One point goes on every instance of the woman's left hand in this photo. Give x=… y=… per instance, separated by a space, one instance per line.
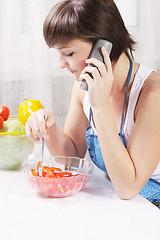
x=101 y=84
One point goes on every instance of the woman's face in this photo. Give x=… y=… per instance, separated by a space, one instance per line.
x=73 y=56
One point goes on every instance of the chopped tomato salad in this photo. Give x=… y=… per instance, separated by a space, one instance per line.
x=56 y=183
x=51 y=172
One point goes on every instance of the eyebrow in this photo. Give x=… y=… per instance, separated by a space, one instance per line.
x=63 y=47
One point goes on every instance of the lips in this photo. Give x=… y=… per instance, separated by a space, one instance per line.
x=71 y=71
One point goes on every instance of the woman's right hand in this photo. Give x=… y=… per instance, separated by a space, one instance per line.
x=38 y=124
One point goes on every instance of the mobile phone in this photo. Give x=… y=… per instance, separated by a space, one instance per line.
x=96 y=53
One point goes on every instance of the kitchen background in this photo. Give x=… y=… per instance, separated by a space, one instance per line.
x=29 y=69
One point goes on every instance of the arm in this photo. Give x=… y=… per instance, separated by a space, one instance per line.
x=129 y=169
x=71 y=141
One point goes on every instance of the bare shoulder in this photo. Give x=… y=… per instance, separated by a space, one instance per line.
x=76 y=121
x=153 y=79
x=149 y=98
x=75 y=112
x=77 y=93
x=151 y=86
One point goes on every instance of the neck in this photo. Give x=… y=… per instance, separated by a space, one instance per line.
x=120 y=73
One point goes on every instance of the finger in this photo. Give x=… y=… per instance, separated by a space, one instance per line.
x=34 y=125
x=98 y=64
x=42 y=125
x=88 y=79
x=107 y=60
x=29 y=133
x=92 y=70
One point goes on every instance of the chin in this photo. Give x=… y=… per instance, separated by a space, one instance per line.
x=76 y=76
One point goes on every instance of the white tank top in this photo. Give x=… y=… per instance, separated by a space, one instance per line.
x=140 y=77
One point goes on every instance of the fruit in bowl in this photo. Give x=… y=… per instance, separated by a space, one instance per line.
x=26 y=108
x=4 y=112
x=61 y=176
x=15 y=147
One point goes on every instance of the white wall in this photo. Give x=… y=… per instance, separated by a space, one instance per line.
x=147 y=34
x=15 y=50
x=129 y=11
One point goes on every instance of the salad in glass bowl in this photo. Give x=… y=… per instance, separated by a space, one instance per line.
x=61 y=176
x=15 y=147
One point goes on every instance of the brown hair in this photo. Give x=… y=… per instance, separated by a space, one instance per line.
x=88 y=20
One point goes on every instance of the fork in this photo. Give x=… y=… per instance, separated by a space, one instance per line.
x=40 y=166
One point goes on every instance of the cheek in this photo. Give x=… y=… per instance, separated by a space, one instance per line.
x=80 y=65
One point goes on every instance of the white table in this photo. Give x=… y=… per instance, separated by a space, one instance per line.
x=93 y=213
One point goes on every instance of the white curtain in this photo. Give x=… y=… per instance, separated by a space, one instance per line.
x=24 y=55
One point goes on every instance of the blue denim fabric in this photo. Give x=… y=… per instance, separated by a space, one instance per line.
x=151 y=191
x=95 y=150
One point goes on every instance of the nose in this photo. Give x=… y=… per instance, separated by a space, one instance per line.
x=62 y=62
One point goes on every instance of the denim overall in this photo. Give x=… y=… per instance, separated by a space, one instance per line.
x=151 y=191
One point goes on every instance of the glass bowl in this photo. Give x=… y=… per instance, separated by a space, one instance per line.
x=15 y=147
x=76 y=173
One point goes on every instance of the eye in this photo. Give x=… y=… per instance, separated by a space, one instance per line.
x=69 y=55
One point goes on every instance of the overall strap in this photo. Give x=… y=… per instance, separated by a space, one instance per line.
x=90 y=115
x=128 y=81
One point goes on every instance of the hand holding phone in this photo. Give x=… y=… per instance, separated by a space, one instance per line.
x=96 y=53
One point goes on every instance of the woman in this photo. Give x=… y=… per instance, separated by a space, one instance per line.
x=123 y=97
